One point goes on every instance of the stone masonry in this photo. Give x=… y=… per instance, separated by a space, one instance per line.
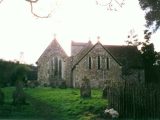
x=99 y=63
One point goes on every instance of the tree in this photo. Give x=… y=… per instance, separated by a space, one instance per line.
x=132 y=38
x=152 y=9
x=32 y=11
x=19 y=97
x=110 y=4
x=20 y=73
x=149 y=55
x=10 y=71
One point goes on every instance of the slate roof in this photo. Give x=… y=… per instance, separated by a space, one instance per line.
x=82 y=53
x=124 y=55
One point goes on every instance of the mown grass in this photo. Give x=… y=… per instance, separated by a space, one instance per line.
x=8 y=110
x=54 y=104
x=68 y=105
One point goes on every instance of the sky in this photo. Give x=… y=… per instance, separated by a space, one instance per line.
x=24 y=37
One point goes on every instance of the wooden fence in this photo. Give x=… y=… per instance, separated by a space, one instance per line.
x=133 y=100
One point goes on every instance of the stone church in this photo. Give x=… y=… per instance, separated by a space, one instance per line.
x=99 y=63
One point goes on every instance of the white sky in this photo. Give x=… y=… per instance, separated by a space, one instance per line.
x=76 y=20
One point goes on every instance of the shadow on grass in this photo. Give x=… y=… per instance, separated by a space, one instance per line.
x=34 y=110
x=43 y=110
x=9 y=111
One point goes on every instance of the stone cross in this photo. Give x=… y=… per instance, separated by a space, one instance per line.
x=85 y=89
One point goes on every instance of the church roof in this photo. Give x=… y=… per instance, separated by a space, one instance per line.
x=77 y=47
x=51 y=47
x=124 y=55
x=78 y=43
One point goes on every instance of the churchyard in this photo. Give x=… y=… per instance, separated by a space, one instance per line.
x=54 y=104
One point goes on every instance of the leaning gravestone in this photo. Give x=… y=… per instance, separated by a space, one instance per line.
x=85 y=89
x=19 y=97
x=105 y=90
x=63 y=85
x=1 y=97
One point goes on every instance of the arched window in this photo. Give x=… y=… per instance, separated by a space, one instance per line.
x=99 y=62
x=90 y=62
x=56 y=66
x=108 y=63
x=60 y=68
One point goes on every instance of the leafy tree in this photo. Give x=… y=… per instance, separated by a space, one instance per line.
x=152 y=9
x=11 y=71
x=20 y=73
x=149 y=56
x=6 y=71
x=132 y=38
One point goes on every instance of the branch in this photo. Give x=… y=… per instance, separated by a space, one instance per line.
x=120 y=4
x=32 y=11
x=1 y=1
x=110 y=4
x=34 y=1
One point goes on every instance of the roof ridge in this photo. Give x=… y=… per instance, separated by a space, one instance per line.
x=49 y=47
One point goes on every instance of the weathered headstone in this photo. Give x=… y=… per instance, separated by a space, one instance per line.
x=1 y=97
x=63 y=84
x=105 y=91
x=85 y=89
x=19 y=97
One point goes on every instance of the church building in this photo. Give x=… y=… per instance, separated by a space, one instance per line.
x=99 y=63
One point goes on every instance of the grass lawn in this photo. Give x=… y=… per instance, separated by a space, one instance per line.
x=56 y=104
x=10 y=111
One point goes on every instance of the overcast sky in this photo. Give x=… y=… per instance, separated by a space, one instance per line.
x=77 y=20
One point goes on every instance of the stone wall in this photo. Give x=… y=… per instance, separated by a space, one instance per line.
x=97 y=76
x=43 y=76
x=46 y=65
x=94 y=62
x=67 y=71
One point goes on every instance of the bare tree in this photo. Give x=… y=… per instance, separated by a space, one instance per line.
x=1 y=1
x=32 y=11
x=110 y=4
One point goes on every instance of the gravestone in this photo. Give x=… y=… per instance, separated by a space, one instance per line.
x=105 y=90
x=85 y=89
x=1 y=97
x=63 y=84
x=19 y=97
